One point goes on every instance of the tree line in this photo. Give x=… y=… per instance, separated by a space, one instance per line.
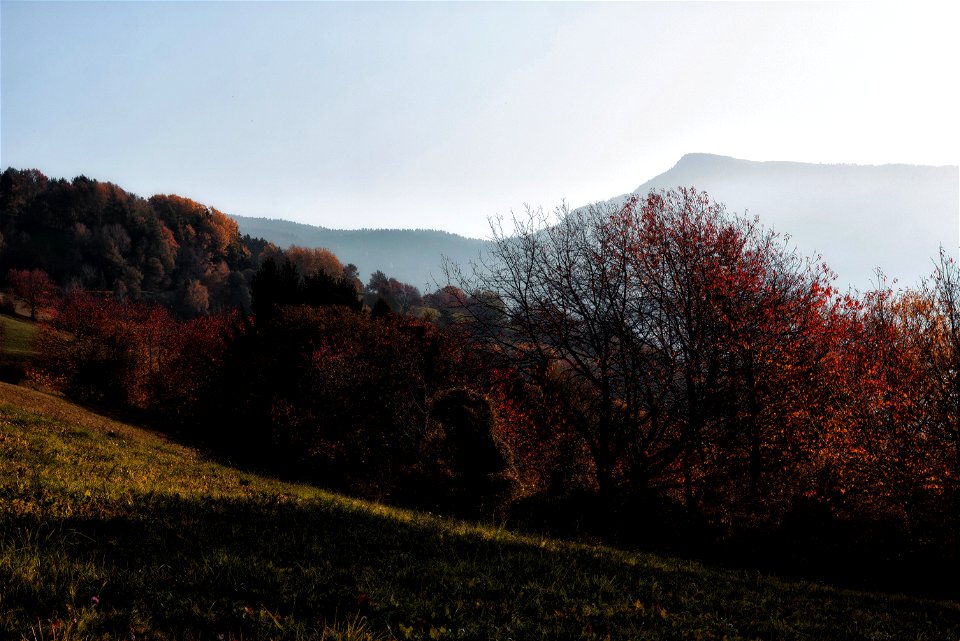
x=93 y=236
x=685 y=355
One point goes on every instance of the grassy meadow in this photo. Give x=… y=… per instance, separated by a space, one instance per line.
x=16 y=346
x=108 y=531
x=17 y=336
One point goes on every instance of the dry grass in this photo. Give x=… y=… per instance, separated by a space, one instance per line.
x=58 y=408
x=16 y=337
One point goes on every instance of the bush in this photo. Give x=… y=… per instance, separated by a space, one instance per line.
x=471 y=460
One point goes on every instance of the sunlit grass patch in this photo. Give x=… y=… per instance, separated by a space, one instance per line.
x=108 y=531
x=17 y=337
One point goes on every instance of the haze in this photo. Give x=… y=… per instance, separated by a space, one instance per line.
x=440 y=115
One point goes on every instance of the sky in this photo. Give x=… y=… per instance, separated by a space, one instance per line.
x=442 y=115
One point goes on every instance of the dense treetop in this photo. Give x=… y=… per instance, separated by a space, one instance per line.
x=95 y=236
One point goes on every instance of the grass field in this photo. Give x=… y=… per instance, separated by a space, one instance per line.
x=17 y=336
x=108 y=531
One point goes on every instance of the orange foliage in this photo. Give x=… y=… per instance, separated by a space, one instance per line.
x=309 y=261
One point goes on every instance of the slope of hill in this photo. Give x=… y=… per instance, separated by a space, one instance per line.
x=111 y=531
x=411 y=256
x=859 y=218
x=16 y=347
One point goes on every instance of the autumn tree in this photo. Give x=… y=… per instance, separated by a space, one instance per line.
x=132 y=354
x=196 y=299
x=94 y=235
x=34 y=287
x=938 y=360
x=733 y=320
x=400 y=296
x=941 y=350
x=280 y=283
x=309 y=260
x=653 y=326
x=447 y=304
x=336 y=395
x=103 y=349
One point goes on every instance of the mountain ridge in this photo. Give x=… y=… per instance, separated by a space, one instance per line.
x=858 y=218
x=412 y=256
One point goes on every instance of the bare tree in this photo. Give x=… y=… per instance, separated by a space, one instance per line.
x=942 y=353
x=642 y=319
x=561 y=308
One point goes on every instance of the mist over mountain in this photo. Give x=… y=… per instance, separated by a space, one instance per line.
x=857 y=217
x=413 y=256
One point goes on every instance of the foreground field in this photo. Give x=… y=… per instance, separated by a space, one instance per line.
x=110 y=531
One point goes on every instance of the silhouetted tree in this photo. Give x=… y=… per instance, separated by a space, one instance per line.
x=278 y=285
x=468 y=446
x=381 y=309
x=635 y=319
x=238 y=289
x=272 y=286
x=401 y=297
x=319 y=289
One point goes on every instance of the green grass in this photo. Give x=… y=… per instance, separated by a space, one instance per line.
x=109 y=531
x=17 y=338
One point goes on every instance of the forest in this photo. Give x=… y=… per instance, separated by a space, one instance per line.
x=664 y=374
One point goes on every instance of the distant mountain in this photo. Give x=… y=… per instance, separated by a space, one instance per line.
x=857 y=217
x=411 y=256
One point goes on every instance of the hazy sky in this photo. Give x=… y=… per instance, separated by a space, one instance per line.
x=439 y=115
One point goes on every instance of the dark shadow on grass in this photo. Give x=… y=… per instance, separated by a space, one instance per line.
x=200 y=568
x=810 y=545
x=265 y=568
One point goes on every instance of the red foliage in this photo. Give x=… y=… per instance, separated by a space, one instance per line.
x=34 y=287
x=133 y=353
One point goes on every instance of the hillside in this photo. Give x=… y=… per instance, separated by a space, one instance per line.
x=411 y=256
x=858 y=217
x=111 y=531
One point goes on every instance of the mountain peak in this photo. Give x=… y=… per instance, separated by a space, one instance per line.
x=701 y=157
x=860 y=218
